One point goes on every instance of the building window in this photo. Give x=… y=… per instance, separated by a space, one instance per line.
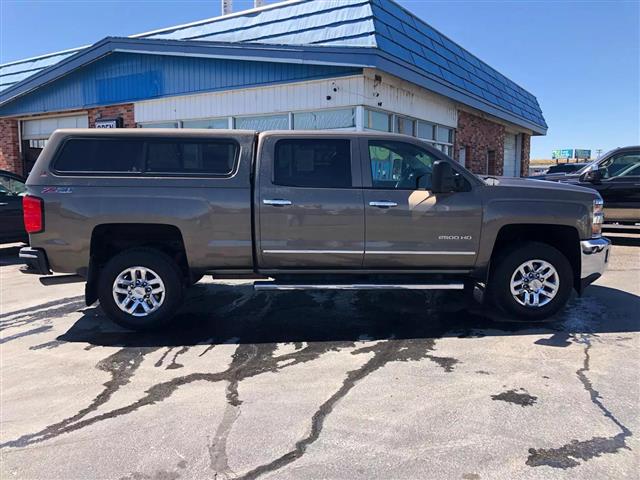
x=426 y=130
x=211 y=123
x=376 y=120
x=262 y=123
x=319 y=163
x=160 y=125
x=325 y=119
x=405 y=125
x=37 y=143
x=444 y=134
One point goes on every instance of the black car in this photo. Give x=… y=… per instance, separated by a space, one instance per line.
x=566 y=168
x=12 y=189
x=616 y=176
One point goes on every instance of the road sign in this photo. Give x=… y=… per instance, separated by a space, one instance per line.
x=564 y=153
x=582 y=154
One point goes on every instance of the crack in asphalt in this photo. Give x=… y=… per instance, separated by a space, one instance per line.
x=383 y=353
x=567 y=455
x=219 y=462
x=122 y=366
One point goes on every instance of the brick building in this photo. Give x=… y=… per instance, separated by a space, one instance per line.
x=347 y=64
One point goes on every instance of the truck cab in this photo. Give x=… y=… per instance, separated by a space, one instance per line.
x=143 y=214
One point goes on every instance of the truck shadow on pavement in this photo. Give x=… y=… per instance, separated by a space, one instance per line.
x=215 y=314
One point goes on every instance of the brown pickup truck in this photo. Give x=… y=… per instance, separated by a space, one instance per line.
x=143 y=214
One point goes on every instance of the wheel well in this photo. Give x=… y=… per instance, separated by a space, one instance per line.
x=564 y=238
x=110 y=239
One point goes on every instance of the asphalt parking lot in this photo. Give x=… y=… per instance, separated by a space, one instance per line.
x=320 y=385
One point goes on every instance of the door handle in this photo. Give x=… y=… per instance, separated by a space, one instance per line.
x=383 y=204
x=276 y=202
x=2 y=204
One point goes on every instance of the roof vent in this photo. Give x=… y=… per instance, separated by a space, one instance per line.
x=227 y=5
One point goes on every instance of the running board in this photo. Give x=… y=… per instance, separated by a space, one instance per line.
x=614 y=226
x=357 y=286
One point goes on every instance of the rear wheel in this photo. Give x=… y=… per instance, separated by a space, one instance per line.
x=140 y=289
x=532 y=282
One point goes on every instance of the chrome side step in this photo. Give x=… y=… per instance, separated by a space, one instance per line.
x=615 y=226
x=357 y=286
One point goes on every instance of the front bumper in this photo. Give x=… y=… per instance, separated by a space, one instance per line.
x=594 y=255
x=35 y=261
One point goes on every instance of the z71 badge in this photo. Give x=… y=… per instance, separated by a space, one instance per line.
x=57 y=190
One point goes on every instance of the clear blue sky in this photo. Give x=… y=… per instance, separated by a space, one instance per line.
x=581 y=59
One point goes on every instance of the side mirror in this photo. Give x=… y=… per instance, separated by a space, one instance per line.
x=592 y=176
x=442 y=177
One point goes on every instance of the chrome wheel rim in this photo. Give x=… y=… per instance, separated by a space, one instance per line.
x=535 y=283
x=138 y=291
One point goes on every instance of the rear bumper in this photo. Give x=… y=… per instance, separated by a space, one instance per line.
x=35 y=261
x=594 y=259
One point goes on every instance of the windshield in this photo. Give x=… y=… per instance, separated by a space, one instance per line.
x=588 y=168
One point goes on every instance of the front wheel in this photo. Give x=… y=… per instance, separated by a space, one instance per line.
x=532 y=282
x=140 y=289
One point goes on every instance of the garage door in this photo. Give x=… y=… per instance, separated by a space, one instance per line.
x=42 y=128
x=35 y=133
x=510 y=163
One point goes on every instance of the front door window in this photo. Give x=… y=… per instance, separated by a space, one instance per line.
x=399 y=165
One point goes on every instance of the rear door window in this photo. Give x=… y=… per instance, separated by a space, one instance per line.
x=320 y=163
x=215 y=157
x=100 y=155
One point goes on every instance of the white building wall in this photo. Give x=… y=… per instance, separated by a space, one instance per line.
x=309 y=95
x=405 y=98
x=393 y=95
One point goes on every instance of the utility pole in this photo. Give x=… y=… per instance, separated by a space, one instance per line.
x=258 y=3
x=226 y=7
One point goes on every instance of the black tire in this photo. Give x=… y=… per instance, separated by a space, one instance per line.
x=165 y=268
x=500 y=281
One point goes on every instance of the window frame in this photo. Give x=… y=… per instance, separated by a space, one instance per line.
x=11 y=179
x=235 y=119
x=367 y=174
x=354 y=115
x=366 y=125
x=190 y=140
x=142 y=162
x=367 y=154
x=353 y=160
x=208 y=119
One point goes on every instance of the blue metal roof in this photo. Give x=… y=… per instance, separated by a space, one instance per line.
x=122 y=77
x=400 y=44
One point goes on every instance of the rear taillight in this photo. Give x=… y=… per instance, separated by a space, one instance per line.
x=33 y=212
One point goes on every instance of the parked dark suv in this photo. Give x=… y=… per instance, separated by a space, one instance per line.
x=12 y=189
x=616 y=176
